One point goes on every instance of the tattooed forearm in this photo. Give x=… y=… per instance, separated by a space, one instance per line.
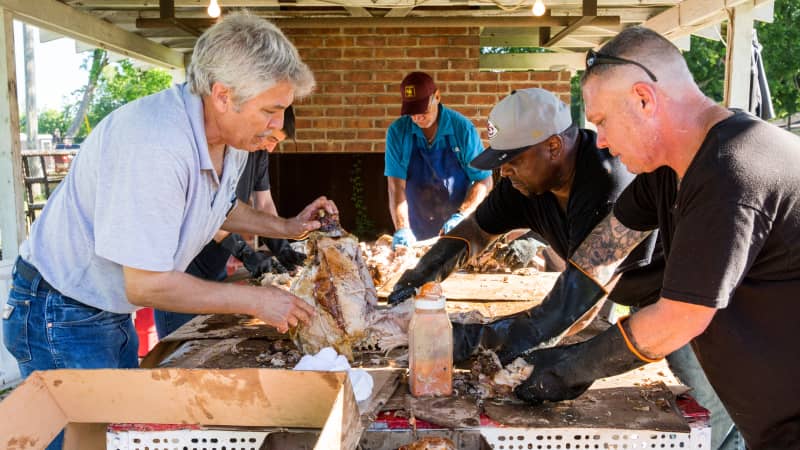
x=605 y=247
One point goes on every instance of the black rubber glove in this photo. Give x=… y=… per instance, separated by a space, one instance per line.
x=285 y=253
x=571 y=297
x=519 y=253
x=435 y=265
x=563 y=373
x=257 y=263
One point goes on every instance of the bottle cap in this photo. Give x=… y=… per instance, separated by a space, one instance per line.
x=429 y=302
x=429 y=296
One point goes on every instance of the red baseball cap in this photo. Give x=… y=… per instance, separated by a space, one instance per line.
x=416 y=90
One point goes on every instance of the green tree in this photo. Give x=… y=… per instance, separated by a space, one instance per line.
x=781 y=53
x=122 y=83
x=99 y=60
x=116 y=85
x=51 y=120
x=706 y=61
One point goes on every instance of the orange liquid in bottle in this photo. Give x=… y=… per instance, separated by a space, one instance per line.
x=430 y=346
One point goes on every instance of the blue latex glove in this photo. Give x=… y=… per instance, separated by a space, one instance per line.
x=451 y=223
x=403 y=236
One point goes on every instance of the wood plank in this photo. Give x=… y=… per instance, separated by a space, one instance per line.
x=738 y=58
x=490 y=287
x=485 y=21
x=631 y=408
x=692 y=15
x=56 y=16
x=12 y=188
x=385 y=384
x=533 y=61
x=449 y=412
x=566 y=31
x=385 y=381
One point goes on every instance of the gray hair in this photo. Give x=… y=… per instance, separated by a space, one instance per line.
x=249 y=55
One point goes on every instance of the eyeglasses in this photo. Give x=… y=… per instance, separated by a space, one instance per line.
x=594 y=58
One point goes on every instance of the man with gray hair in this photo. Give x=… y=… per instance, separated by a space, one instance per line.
x=151 y=185
x=722 y=188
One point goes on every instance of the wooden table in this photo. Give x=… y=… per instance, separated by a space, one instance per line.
x=640 y=400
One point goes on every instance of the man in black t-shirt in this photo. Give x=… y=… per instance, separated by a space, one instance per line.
x=560 y=185
x=210 y=263
x=723 y=189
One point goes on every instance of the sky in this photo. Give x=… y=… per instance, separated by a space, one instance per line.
x=58 y=71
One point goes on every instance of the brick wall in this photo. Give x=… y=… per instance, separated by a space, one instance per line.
x=358 y=72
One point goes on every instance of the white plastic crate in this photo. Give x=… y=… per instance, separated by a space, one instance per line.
x=595 y=438
x=498 y=438
x=185 y=439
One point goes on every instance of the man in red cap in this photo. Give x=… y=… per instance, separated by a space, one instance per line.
x=432 y=187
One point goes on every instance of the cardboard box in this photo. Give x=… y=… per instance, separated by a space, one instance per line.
x=85 y=401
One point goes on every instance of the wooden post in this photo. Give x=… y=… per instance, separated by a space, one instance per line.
x=738 y=56
x=12 y=217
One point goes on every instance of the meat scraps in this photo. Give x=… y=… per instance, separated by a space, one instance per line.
x=336 y=281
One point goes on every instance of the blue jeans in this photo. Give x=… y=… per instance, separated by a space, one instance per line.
x=47 y=330
x=168 y=321
x=685 y=366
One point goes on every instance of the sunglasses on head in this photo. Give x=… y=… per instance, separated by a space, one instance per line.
x=594 y=58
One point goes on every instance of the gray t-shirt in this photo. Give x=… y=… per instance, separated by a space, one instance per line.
x=142 y=193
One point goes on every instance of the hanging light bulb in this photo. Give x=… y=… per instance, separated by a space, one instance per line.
x=538 y=8
x=214 y=11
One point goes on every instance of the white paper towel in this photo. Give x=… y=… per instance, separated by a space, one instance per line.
x=327 y=360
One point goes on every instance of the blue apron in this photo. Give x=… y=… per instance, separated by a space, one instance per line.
x=436 y=185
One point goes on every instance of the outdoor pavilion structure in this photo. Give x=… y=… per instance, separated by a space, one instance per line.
x=163 y=32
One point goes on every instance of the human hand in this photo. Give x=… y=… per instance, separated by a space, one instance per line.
x=286 y=255
x=451 y=223
x=290 y=258
x=259 y=263
x=555 y=377
x=299 y=226
x=563 y=373
x=403 y=236
x=406 y=286
x=283 y=310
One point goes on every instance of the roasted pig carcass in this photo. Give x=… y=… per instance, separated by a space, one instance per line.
x=336 y=281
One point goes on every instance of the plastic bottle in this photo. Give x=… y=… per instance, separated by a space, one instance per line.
x=430 y=345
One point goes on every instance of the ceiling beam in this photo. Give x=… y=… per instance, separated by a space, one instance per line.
x=357 y=11
x=544 y=35
x=533 y=61
x=566 y=31
x=386 y=4
x=66 y=20
x=191 y=26
x=629 y=15
x=166 y=8
x=545 y=21
x=573 y=41
x=589 y=14
x=692 y=15
x=398 y=12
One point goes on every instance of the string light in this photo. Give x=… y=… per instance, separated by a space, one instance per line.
x=538 y=8
x=214 y=10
